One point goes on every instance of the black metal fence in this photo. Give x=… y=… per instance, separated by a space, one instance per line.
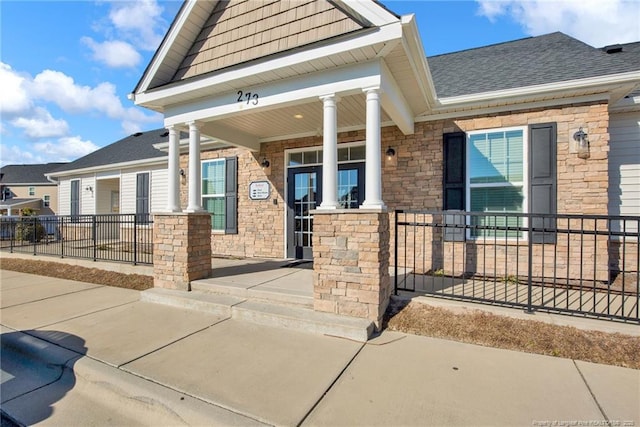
x=113 y=237
x=579 y=264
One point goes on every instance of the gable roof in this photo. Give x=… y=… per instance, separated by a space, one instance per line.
x=27 y=174
x=550 y=58
x=136 y=147
x=243 y=33
x=242 y=30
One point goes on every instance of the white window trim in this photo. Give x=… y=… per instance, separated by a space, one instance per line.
x=31 y=191
x=524 y=182
x=222 y=195
x=288 y=152
x=46 y=200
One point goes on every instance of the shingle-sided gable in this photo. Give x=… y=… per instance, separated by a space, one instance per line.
x=532 y=61
x=242 y=30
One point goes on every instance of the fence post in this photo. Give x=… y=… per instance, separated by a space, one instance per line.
x=35 y=235
x=95 y=237
x=62 y=237
x=395 y=254
x=12 y=233
x=135 y=239
x=530 y=266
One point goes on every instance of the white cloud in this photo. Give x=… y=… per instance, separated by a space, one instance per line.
x=114 y=54
x=139 y=21
x=14 y=98
x=41 y=125
x=66 y=149
x=57 y=87
x=595 y=22
x=13 y=155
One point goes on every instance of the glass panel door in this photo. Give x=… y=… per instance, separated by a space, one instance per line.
x=304 y=196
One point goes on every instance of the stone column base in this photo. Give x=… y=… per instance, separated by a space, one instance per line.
x=351 y=263
x=181 y=249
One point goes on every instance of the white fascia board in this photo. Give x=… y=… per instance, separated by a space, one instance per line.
x=372 y=12
x=208 y=144
x=394 y=103
x=235 y=76
x=231 y=136
x=346 y=80
x=471 y=112
x=166 y=46
x=412 y=44
x=114 y=166
x=523 y=93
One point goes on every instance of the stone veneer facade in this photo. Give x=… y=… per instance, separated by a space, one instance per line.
x=351 y=263
x=413 y=181
x=181 y=249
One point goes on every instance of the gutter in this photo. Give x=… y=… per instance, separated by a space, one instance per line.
x=110 y=167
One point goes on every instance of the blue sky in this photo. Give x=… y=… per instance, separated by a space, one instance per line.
x=66 y=67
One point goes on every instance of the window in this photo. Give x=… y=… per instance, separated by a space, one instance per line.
x=219 y=193
x=46 y=200
x=32 y=191
x=213 y=192
x=75 y=198
x=142 y=198
x=495 y=179
x=503 y=171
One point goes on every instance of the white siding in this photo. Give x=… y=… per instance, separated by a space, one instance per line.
x=624 y=164
x=128 y=192
x=159 y=183
x=64 y=197
x=88 y=197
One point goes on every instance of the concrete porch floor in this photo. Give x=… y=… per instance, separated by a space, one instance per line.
x=277 y=279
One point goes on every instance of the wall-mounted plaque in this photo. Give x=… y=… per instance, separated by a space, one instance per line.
x=259 y=190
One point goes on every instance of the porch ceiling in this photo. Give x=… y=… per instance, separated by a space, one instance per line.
x=283 y=123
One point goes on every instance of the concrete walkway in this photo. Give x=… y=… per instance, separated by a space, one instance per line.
x=81 y=354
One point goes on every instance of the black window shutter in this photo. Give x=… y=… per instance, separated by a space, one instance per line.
x=543 y=180
x=454 y=185
x=231 y=195
x=142 y=196
x=75 y=197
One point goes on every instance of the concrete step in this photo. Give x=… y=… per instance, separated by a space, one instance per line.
x=199 y=301
x=271 y=313
x=261 y=292
x=304 y=320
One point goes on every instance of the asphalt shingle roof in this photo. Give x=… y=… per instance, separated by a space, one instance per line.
x=138 y=146
x=550 y=58
x=27 y=174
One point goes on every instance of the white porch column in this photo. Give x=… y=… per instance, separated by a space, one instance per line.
x=173 y=200
x=195 y=182
x=373 y=166
x=329 y=153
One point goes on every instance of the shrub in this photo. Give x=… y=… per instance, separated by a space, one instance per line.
x=29 y=228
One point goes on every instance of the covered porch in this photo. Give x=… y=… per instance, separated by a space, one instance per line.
x=363 y=71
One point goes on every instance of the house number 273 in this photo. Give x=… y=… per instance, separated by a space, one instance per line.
x=248 y=97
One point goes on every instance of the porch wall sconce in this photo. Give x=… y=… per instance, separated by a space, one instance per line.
x=391 y=156
x=183 y=176
x=265 y=163
x=582 y=139
x=89 y=188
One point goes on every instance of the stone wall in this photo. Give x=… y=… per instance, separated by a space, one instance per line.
x=181 y=249
x=351 y=263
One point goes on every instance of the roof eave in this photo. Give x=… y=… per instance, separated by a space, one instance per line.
x=109 y=167
x=563 y=89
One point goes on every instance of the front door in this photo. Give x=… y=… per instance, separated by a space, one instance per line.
x=305 y=194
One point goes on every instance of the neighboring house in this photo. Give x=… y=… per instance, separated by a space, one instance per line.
x=128 y=176
x=26 y=186
x=354 y=69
